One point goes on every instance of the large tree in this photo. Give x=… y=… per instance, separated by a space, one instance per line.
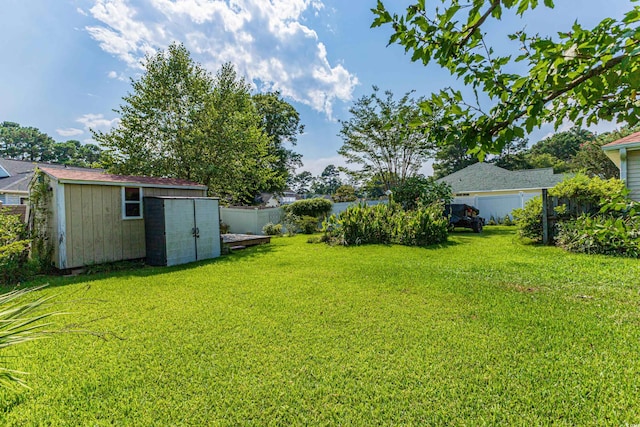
x=281 y=122
x=25 y=143
x=382 y=138
x=237 y=162
x=181 y=122
x=582 y=75
x=452 y=157
x=591 y=160
x=328 y=181
x=162 y=119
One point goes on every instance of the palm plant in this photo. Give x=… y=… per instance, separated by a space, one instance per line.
x=20 y=322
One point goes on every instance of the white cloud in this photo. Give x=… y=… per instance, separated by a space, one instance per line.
x=97 y=122
x=316 y=166
x=69 y=132
x=270 y=42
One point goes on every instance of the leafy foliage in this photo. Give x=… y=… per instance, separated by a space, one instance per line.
x=382 y=138
x=419 y=191
x=271 y=229
x=388 y=223
x=601 y=234
x=28 y=143
x=316 y=207
x=20 y=322
x=345 y=193
x=594 y=191
x=14 y=250
x=609 y=226
x=529 y=219
x=281 y=122
x=327 y=182
x=452 y=157
x=584 y=75
x=181 y=122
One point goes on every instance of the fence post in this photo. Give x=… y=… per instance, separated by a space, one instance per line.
x=545 y=217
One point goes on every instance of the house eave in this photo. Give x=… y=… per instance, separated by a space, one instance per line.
x=501 y=190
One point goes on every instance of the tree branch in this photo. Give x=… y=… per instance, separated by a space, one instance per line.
x=474 y=27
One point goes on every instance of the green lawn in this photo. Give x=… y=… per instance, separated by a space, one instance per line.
x=481 y=331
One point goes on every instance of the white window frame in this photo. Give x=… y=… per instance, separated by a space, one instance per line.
x=126 y=202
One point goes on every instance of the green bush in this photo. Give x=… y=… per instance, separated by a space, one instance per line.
x=529 y=219
x=388 y=223
x=592 y=191
x=420 y=191
x=601 y=234
x=317 y=208
x=271 y=229
x=14 y=250
x=307 y=224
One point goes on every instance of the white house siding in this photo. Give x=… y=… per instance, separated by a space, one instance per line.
x=498 y=204
x=633 y=173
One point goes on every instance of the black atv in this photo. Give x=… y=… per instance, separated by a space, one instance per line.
x=462 y=215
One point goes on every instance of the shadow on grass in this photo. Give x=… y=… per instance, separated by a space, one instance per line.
x=139 y=269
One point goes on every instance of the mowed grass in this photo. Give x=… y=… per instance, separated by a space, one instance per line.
x=481 y=331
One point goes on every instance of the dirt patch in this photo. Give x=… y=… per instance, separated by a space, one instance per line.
x=523 y=289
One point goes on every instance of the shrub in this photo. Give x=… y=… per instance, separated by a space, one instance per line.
x=592 y=191
x=290 y=223
x=388 y=223
x=345 y=193
x=420 y=191
x=14 y=250
x=307 y=224
x=423 y=226
x=317 y=208
x=601 y=234
x=271 y=229
x=529 y=219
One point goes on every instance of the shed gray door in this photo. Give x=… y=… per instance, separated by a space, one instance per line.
x=208 y=227
x=180 y=224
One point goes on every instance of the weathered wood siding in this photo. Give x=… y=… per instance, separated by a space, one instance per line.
x=95 y=230
x=633 y=173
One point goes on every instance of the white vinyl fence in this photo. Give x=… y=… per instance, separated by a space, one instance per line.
x=251 y=220
x=498 y=206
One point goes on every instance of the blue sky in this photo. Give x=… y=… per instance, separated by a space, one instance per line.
x=66 y=64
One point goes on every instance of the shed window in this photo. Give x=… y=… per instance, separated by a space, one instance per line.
x=131 y=203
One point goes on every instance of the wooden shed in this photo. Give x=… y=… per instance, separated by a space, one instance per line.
x=94 y=217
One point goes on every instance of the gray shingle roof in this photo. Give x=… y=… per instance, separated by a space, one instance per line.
x=20 y=173
x=488 y=177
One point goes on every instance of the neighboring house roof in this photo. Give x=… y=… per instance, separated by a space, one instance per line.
x=88 y=176
x=629 y=140
x=16 y=174
x=487 y=177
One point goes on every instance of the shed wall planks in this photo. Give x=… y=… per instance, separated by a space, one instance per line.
x=95 y=230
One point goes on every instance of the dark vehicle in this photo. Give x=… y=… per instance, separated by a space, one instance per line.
x=462 y=215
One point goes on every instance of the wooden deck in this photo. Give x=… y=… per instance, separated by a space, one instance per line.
x=239 y=241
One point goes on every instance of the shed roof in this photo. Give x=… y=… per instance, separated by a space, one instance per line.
x=632 y=139
x=487 y=177
x=99 y=177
